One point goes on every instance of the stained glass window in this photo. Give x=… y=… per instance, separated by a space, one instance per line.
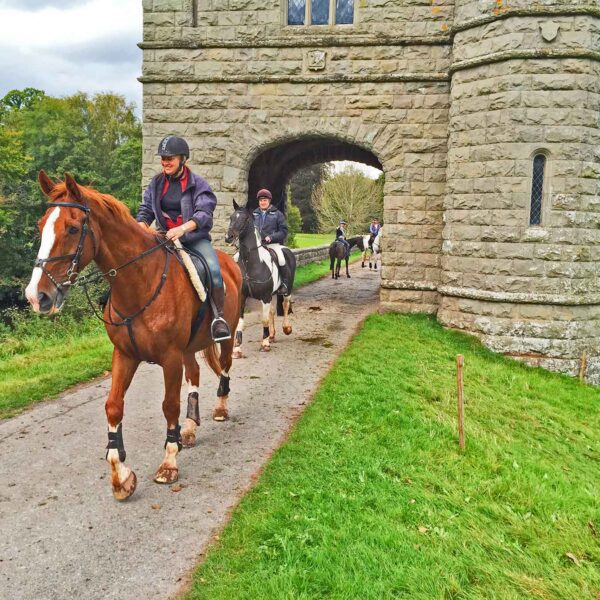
x=537 y=189
x=344 y=12
x=296 y=10
x=320 y=12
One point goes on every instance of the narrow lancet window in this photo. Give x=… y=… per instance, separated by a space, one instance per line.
x=537 y=189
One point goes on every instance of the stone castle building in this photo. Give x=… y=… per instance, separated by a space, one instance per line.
x=483 y=115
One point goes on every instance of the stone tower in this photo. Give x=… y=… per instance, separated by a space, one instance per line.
x=483 y=115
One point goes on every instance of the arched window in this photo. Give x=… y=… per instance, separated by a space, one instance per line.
x=537 y=189
x=320 y=12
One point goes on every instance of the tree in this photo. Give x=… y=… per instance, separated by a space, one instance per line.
x=294 y=218
x=303 y=182
x=98 y=140
x=348 y=195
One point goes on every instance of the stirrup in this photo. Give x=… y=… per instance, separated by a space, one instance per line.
x=222 y=337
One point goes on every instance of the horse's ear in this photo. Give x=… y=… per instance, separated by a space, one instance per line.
x=46 y=183
x=236 y=206
x=73 y=188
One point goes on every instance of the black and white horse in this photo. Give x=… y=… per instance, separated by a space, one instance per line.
x=260 y=275
x=374 y=252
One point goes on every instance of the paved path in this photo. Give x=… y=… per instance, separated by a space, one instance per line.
x=63 y=534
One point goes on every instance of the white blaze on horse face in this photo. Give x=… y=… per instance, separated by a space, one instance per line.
x=48 y=239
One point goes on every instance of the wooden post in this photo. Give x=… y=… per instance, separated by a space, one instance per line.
x=583 y=367
x=460 y=361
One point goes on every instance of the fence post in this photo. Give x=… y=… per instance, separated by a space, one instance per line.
x=460 y=361
x=583 y=367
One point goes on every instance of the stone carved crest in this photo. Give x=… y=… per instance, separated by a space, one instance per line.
x=316 y=60
x=549 y=30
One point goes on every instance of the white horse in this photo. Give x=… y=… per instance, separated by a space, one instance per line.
x=373 y=253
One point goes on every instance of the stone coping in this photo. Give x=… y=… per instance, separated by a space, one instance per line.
x=520 y=297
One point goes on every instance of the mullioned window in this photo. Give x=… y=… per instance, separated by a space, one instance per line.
x=320 y=12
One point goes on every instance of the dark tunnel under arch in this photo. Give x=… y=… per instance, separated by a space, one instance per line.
x=274 y=167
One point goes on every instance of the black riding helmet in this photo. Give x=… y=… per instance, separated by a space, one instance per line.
x=173 y=146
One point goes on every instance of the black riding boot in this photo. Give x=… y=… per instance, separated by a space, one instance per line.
x=219 y=329
x=284 y=275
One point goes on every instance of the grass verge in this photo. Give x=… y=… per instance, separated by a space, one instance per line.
x=371 y=498
x=307 y=240
x=40 y=358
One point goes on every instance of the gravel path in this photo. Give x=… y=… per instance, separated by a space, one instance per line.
x=63 y=534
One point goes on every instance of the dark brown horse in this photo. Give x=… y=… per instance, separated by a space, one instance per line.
x=153 y=314
x=337 y=253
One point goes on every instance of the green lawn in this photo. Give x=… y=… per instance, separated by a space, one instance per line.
x=370 y=497
x=42 y=358
x=306 y=240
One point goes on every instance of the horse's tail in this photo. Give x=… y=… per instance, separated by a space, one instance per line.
x=211 y=356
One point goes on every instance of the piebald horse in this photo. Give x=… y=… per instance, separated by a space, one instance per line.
x=260 y=276
x=153 y=314
x=373 y=252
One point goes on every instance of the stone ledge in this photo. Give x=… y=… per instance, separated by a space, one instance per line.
x=519 y=298
x=404 y=284
x=312 y=254
x=324 y=78
x=536 y=11
x=556 y=53
x=299 y=42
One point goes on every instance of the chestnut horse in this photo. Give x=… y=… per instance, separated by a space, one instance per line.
x=153 y=314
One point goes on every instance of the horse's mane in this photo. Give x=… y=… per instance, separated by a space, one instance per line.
x=103 y=204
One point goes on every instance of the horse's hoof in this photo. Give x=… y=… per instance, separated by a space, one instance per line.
x=348 y=276
x=287 y=330
x=265 y=349
x=363 y=265
x=220 y=414
x=166 y=475
x=188 y=439
x=271 y=338
x=126 y=489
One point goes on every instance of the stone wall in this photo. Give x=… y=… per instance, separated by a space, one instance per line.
x=452 y=99
x=305 y=256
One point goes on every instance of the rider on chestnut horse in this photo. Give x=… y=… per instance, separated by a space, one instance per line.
x=182 y=203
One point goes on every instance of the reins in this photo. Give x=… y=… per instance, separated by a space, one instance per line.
x=249 y=280
x=75 y=279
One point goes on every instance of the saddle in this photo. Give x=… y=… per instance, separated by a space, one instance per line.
x=276 y=253
x=196 y=268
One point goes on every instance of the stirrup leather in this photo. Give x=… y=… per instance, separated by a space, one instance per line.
x=222 y=338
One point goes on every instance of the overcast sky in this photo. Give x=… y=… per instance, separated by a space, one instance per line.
x=65 y=46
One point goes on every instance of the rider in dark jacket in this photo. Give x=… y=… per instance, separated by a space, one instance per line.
x=273 y=230
x=182 y=204
x=340 y=236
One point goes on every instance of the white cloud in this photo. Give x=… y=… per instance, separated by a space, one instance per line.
x=88 y=46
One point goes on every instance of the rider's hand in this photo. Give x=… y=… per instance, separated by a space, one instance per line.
x=268 y=239
x=176 y=233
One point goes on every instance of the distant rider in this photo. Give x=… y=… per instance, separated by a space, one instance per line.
x=374 y=230
x=340 y=236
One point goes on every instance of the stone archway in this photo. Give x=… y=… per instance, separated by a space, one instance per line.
x=273 y=167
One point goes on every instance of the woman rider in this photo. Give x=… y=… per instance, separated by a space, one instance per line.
x=273 y=231
x=182 y=203
x=340 y=236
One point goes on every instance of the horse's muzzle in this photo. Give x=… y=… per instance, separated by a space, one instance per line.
x=49 y=304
